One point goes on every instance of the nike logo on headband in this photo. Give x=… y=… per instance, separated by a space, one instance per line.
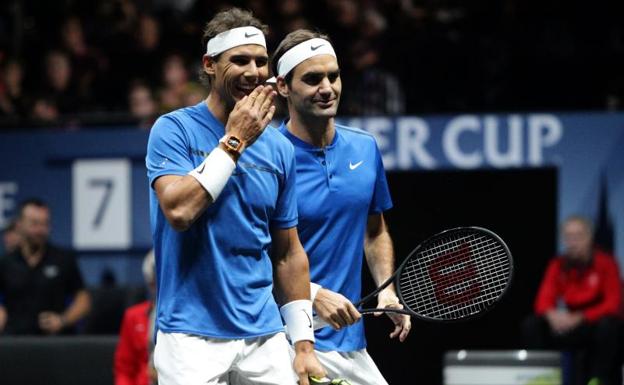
x=317 y=47
x=248 y=35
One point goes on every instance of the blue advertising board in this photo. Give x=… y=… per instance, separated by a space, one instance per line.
x=95 y=180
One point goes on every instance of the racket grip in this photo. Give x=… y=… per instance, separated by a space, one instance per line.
x=327 y=381
x=319 y=381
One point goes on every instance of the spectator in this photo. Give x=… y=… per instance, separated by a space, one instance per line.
x=59 y=83
x=10 y=238
x=45 y=110
x=38 y=280
x=177 y=90
x=373 y=91
x=86 y=62
x=12 y=97
x=142 y=105
x=133 y=360
x=577 y=303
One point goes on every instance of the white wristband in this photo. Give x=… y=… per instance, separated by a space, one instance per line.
x=214 y=172
x=297 y=316
x=314 y=288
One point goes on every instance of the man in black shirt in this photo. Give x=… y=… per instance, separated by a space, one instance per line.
x=41 y=289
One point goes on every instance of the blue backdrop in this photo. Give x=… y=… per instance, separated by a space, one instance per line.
x=87 y=177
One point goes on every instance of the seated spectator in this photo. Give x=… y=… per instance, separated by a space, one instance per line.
x=12 y=96
x=142 y=105
x=133 y=363
x=41 y=287
x=177 y=90
x=10 y=238
x=577 y=304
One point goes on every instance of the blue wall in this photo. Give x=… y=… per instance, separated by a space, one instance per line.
x=587 y=148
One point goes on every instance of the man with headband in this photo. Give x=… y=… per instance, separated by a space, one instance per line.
x=342 y=194
x=223 y=217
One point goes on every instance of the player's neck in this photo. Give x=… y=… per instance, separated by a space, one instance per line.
x=217 y=107
x=315 y=131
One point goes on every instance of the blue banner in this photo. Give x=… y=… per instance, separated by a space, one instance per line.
x=86 y=175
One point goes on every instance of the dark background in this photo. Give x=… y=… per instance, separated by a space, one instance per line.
x=518 y=205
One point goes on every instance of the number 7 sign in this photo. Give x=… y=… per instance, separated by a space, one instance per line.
x=101 y=204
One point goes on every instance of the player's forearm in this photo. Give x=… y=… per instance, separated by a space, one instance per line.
x=380 y=256
x=292 y=278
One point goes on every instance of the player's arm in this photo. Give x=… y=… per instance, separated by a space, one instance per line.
x=292 y=290
x=183 y=199
x=380 y=259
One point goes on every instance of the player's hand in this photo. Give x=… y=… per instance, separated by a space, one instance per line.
x=51 y=322
x=251 y=115
x=402 y=322
x=306 y=364
x=335 y=309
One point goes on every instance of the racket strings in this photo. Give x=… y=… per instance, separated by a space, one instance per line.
x=456 y=276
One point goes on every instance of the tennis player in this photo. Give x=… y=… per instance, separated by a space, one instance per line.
x=223 y=217
x=342 y=194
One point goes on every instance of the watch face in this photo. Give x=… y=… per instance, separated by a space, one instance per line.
x=233 y=142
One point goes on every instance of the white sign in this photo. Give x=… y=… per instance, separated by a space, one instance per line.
x=101 y=204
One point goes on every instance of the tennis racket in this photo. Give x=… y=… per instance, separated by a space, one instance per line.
x=455 y=275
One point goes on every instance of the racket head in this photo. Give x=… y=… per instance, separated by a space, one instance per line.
x=455 y=275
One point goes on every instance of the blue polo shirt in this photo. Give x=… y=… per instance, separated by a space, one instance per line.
x=338 y=187
x=216 y=279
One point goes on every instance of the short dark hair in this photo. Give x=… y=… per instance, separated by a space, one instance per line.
x=291 y=40
x=224 y=21
x=30 y=202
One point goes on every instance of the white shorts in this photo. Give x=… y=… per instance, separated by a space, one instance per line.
x=357 y=367
x=183 y=359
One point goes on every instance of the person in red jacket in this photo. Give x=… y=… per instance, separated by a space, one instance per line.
x=133 y=356
x=578 y=302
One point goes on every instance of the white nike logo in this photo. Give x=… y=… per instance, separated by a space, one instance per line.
x=354 y=166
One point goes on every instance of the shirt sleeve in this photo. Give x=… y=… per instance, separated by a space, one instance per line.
x=611 y=293
x=126 y=361
x=381 y=200
x=168 y=151
x=74 y=278
x=548 y=292
x=285 y=215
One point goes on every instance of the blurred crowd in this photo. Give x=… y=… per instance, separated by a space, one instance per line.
x=97 y=62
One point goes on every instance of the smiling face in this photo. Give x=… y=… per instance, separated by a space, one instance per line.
x=237 y=72
x=315 y=88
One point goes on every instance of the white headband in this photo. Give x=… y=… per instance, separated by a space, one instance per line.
x=303 y=51
x=233 y=38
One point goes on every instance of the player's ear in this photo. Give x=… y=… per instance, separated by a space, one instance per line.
x=282 y=87
x=209 y=64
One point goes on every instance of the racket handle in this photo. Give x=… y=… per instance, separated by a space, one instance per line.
x=319 y=381
x=327 y=381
